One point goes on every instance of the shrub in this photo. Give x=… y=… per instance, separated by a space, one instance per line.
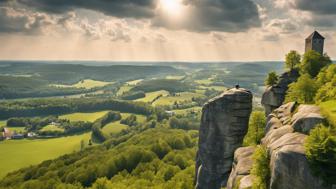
x=256 y=127
x=260 y=169
x=320 y=148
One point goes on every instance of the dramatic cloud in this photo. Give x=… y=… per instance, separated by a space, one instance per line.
x=210 y=15
x=18 y=21
x=200 y=15
x=322 y=7
x=118 y=8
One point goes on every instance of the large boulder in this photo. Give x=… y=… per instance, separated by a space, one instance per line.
x=306 y=118
x=241 y=168
x=224 y=124
x=274 y=96
x=289 y=165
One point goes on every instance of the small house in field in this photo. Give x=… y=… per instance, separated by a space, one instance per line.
x=315 y=41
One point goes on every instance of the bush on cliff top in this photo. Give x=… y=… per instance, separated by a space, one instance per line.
x=320 y=148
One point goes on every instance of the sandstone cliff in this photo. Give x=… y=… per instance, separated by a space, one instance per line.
x=274 y=96
x=223 y=126
x=286 y=129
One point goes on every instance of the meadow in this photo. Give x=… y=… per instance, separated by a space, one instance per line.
x=3 y=123
x=123 y=89
x=16 y=154
x=52 y=128
x=90 y=117
x=87 y=84
x=179 y=97
x=151 y=96
x=116 y=126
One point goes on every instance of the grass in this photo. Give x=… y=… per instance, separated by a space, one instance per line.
x=134 y=82
x=91 y=117
x=153 y=95
x=17 y=129
x=188 y=110
x=213 y=87
x=204 y=81
x=180 y=97
x=3 y=123
x=140 y=118
x=124 y=89
x=329 y=111
x=16 y=154
x=114 y=127
x=51 y=128
x=175 y=77
x=87 y=84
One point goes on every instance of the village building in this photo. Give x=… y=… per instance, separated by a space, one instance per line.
x=315 y=41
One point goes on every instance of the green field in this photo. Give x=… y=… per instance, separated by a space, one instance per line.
x=87 y=84
x=114 y=127
x=134 y=82
x=180 y=97
x=140 y=118
x=124 y=89
x=175 y=77
x=17 y=129
x=51 y=128
x=16 y=154
x=329 y=110
x=204 y=81
x=213 y=87
x=188 y=110
x=91 y=117
x=3 y=123
x=153 y=95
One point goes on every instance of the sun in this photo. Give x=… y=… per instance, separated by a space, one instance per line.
x=171 y=7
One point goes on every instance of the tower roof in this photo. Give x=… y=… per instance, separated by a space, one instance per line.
x=315 y=35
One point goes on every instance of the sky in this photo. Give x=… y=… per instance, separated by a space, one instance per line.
x=162 y=30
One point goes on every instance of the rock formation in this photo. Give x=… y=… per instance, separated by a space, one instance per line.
x=286 y=130
x=274 y=96
x=223 y=126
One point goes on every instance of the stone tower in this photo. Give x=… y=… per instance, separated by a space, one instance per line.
x=315 y=42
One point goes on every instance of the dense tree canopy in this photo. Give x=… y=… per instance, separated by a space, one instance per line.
x=313 y=62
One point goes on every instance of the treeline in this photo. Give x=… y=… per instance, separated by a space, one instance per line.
x=61 y=73
x=43 y=107
x=22 y=87
x=161 y=158
x=170 y=85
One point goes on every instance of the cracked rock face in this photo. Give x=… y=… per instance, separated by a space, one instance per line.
x=223 y=126
x=274 y=96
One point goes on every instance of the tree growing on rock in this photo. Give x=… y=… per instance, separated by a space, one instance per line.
x=293 y=59
x=256 y=128
x=313 y=62
x=272 y=79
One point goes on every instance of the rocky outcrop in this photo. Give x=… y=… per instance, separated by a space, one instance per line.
x=274 y=96
x=223 y=126
x=286 y=130
x=242 y=165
